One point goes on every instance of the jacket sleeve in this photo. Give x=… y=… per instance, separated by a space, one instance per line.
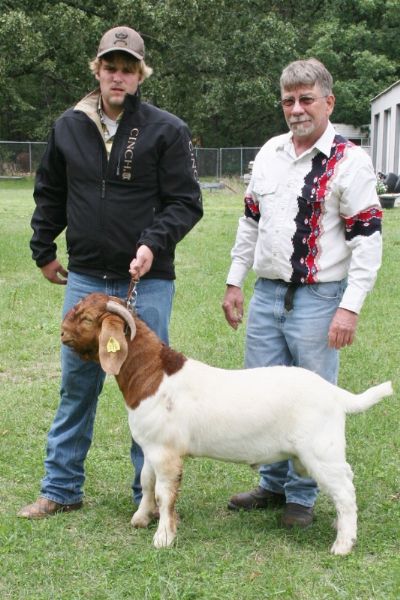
x=50 y=193
x=180 y=196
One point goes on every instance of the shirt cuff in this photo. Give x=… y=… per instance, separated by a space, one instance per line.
x=353 y=299
x=237 y=274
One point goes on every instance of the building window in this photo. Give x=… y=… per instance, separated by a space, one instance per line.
x=375 y=136
x=386 y=139
x=396 y=161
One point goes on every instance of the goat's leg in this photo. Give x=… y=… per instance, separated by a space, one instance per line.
x=346 y=507
x=336 y=479
x=168 y=478
x=147 y=508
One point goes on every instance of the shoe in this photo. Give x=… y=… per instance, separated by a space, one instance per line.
x=296 y=515
x=43 y=508
x=257 y=498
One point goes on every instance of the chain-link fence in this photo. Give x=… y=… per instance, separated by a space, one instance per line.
x=224 y=162
x=22 y=158
x=235 y=161
x=207 y=160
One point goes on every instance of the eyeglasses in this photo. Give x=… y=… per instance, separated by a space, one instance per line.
x=302 y=100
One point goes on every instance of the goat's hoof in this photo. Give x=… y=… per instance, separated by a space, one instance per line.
x=343 y=547
x=163 y=539
x=140 y=521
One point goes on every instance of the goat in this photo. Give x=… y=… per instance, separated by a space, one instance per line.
x=180 y=407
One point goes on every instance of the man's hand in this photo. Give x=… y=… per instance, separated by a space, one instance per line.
x=55 y=272
x=342 y=329
x=142 y=263
x=232 y=305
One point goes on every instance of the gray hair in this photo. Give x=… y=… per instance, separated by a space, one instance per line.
x=306 y=73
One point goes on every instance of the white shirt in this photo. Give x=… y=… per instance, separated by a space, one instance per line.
x=311 y=218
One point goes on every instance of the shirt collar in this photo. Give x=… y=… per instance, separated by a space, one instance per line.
x=102 y=114
x=323 y=144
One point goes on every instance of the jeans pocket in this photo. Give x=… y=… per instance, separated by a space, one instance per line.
x=331 y=290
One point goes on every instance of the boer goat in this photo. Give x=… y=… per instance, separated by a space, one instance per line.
x=181 y=407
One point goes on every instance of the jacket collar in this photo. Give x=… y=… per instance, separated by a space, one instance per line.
x=132 y=101
x=89 y=105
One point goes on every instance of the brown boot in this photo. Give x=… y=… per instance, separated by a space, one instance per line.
x=296 y=515
x=257 y=498
x=43 y=508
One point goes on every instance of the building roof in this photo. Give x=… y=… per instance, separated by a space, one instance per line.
x=396 y=83
x=350 y=131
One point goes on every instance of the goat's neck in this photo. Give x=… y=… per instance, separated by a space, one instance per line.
x=147 y=362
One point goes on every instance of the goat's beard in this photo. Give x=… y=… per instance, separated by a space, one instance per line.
x=85 y=353
x=89 y=355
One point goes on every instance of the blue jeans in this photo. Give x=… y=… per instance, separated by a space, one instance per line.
x=296 y=338
x=70 y=435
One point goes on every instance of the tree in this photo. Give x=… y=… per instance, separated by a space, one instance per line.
x=359 y=73
x=221 y=68
x=216 y=62
x=43 y=68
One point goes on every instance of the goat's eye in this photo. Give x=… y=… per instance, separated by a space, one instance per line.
x=86 y=319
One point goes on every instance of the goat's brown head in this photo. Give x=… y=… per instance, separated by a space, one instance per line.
x=95 y=329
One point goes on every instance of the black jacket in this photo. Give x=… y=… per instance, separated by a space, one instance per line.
x=146 y=193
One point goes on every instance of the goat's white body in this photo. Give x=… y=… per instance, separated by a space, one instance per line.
x=239 y=416
x=252 y=416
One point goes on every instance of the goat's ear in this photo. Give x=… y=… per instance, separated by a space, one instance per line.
x=113 y=347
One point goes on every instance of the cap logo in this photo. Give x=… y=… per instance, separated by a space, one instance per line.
x=120 y=39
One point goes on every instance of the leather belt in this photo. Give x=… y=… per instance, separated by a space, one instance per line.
x=289 y=296
x=290 y=291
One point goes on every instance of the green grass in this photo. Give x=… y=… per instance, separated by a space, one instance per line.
x=94 y=554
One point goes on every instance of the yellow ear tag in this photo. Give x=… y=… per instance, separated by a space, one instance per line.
x=113 y=345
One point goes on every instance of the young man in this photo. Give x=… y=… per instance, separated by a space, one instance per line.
x=311 y=231
x=119 y=176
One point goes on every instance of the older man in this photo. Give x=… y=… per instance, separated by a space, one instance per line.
x=119 y=175
x=312 y=232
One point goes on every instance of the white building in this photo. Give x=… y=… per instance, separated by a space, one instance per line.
x=357 y=135
x=385 y=130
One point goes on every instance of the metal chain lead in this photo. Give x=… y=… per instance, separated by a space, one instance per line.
x=132 y=295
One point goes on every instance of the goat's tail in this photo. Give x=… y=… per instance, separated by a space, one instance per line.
x=355 y=403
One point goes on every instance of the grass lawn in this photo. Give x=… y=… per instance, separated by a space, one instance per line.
x=94 y=554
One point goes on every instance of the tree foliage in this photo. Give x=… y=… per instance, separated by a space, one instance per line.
x=216 y=62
